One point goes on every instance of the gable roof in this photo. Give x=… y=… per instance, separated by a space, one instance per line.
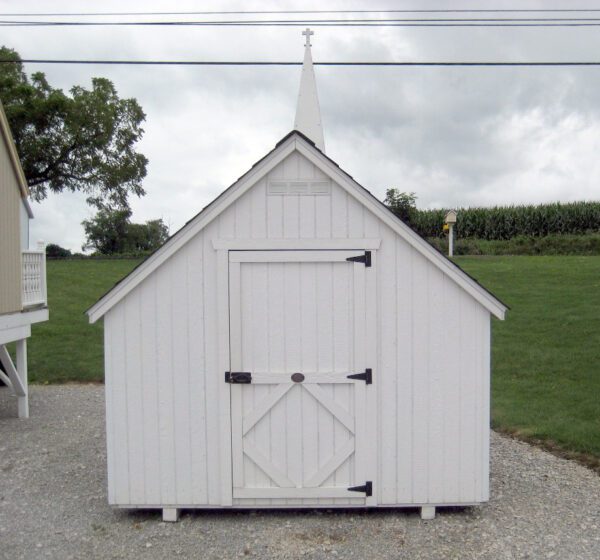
x=14 y=159
x=294 y=141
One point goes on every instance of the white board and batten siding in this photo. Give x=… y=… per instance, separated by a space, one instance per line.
x=170 y=413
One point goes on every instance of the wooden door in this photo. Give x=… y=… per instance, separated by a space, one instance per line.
x=297 y=334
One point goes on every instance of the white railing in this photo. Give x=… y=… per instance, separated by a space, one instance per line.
x=34 y=277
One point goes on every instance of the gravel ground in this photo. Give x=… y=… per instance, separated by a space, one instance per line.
x=53 y=505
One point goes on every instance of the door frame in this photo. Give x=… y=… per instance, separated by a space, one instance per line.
x=222 y=248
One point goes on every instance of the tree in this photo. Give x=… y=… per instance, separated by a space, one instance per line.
x=56 y=251
x=81 y=141
x=402 y=204
x=111 y=232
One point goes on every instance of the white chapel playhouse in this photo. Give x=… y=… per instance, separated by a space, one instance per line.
x=297 y=345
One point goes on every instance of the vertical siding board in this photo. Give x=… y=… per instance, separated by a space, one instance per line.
x=134 y=391
x=322 y=216
x=166 y=404
x=10 y=235
x=339 y=212
x=291 y=217
x=356 y=227
x=307 y=217
x=181 y=382
x=404 y=371
x=420 y=351
x=451 y=391
x=150 y=391
x=258 y=209
x=109 y=372
x=212 y=376
x=226 y=223
x=482 y=326
x=291 y=166
x=371 y=225
x=386 y=374
x=119 y=408
x=197 y=372
x=437 y=373
x=468 y=397
x=485 y=398
x=275 y=217
x=244 y=215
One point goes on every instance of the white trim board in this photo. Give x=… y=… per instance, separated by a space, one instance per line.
x=295 y=141
x=16 y=333
x=294 y=244
x=23 y=318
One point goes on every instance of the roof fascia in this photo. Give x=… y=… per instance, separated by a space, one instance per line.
x=493 y=305
x=14 y=156
x=191 y=229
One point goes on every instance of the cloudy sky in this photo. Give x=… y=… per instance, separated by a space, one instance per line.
x=454 y=136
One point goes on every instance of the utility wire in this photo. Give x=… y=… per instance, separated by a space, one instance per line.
x=271 y=12
x=492 y=22
x=292 y=63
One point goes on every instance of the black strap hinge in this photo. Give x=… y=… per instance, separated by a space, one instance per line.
x=367 y=488
x=366 y=259
x=238 y=377
x=366 y=376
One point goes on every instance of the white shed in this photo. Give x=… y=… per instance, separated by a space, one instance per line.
x=297 y=345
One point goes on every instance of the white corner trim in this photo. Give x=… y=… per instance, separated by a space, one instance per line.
x=493 y=305
x=188 y=231
x=294 y=244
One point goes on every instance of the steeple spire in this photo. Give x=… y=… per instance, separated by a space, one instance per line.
x=308 y=114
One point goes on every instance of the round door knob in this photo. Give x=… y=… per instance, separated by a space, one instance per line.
x=297 y=377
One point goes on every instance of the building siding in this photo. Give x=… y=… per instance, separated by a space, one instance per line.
x=10 y=235
x=163 y=377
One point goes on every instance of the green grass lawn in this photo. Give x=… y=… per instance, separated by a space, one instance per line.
x=67 y=347
x=546 y=355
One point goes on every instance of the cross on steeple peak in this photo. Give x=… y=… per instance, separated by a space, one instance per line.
x=307 y=33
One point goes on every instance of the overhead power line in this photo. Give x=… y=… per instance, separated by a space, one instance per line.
x=272 y=12
x=293 y=63
x=331 y=22
x=587 y=22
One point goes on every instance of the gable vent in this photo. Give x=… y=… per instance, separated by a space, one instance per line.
x=299 y=188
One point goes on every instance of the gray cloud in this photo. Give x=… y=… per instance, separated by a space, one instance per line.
x=460 y=136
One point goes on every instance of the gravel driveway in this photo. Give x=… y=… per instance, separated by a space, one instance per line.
x=53 y=505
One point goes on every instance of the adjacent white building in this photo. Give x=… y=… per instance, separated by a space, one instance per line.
x=23 y=300
x=297 y=345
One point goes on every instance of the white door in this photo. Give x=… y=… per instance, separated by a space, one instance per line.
x=299 y=376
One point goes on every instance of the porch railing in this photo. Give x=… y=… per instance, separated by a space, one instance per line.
x=34 y=277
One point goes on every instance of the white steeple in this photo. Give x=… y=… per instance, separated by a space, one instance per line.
x=308 y=114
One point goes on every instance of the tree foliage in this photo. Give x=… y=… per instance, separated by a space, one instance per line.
x=111 y=232
x=54 y=250
x=81 y=141
x=403 y=204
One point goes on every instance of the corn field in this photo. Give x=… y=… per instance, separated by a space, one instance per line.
x=506 y=222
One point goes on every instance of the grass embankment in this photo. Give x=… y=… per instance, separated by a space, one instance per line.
x=524 y=245
x=67 y=347
x=546 y=355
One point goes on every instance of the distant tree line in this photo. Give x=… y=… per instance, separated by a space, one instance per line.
x=499 y=222
x=111 y=232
